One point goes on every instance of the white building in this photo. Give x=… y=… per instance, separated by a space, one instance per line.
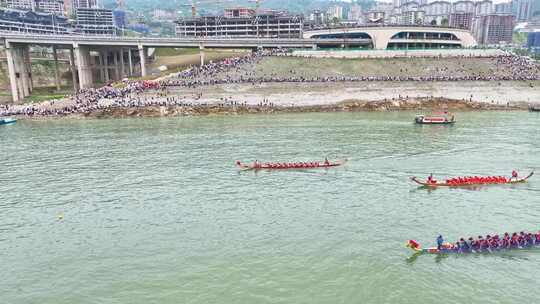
x=524 y=10
x=335 y=12
x=483 y=8
x=355 y=13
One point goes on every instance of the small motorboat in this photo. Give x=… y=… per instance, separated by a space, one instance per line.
x=443 y=118
x=534 y=108
x=468 y=181
x=285 y=166
x=5 y=121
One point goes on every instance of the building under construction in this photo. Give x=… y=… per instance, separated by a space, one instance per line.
x=242 y=22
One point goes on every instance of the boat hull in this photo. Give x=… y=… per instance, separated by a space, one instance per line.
x=434 y=250
x=263 y=167
x=7 y=121
x=434 y=120
x=440 y=184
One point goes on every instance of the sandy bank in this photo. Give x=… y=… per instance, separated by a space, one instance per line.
x=317 y=94
x=411 y=104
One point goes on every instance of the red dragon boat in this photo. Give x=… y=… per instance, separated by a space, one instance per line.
x=471 y=181
x=285 y=166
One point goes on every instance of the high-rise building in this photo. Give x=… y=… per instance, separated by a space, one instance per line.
x=524 y=10
x=483 y=8
x=50 y=6
x=335 y=12
x=269 y=24
x=503 y=8
x=461 y=20
x=241 y=12
x=533 y=41
x=464 y=7
x=412 y=17
x=355 y=13
x=95 y=21
x=85 y=4
x=493 y=29
x=317 y=17
x=18 y=4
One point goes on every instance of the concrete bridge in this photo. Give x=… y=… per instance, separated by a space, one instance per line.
x=107 y=58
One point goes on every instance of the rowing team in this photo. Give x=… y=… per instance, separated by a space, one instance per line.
x=471 y=180
x=258 y=165
x=489 y=243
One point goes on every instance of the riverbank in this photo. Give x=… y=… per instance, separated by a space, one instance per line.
x=413 y=104
x=236 y=99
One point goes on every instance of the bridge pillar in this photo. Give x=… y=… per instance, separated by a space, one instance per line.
x=20 y=72
x=201 y=54
x=24 y=70
x=73 y=70
x=11 y=71
x=314 y=47
x=28 y=65
x=122 y=64
x=83 y=66
x=101 y=67
x=142 y=56
x=56 y=73
x=105 y=62
x=116 y=54
x=130 y=61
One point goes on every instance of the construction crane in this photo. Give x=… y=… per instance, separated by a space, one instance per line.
x=194 y=4
x=257 y=5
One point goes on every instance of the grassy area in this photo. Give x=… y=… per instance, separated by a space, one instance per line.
x=47 y=93
x=328 y=67
x=165 y=52
x=179 y=59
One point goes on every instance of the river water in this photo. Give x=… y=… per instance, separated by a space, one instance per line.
x=154 y=211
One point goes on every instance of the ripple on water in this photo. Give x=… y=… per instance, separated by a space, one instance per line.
x=156 y=207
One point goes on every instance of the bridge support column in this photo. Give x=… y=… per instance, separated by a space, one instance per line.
x=106 y=65
x=314 y=47
x=23 y=73
x=83 y=66
x=100 y=66
x=73 y=70
x=11 y=71
x=142 y=56
x=56 y=73
x=116 y=54
x=201 y=54
x=122 y=64
x=130 y=60
x=28 y=65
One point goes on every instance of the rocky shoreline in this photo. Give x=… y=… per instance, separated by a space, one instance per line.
x=416 y=104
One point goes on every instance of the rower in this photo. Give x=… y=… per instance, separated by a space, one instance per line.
x=326 y=162
x=440 y=242
x=514 y=174
x=431 y=180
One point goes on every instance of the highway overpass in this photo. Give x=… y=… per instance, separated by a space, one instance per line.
x=107 y=58
x=112 y=57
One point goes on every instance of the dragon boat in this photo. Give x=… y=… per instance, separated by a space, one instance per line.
x=449 y=248
x=5 y=121
x=472 y=181
x=285 y=166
